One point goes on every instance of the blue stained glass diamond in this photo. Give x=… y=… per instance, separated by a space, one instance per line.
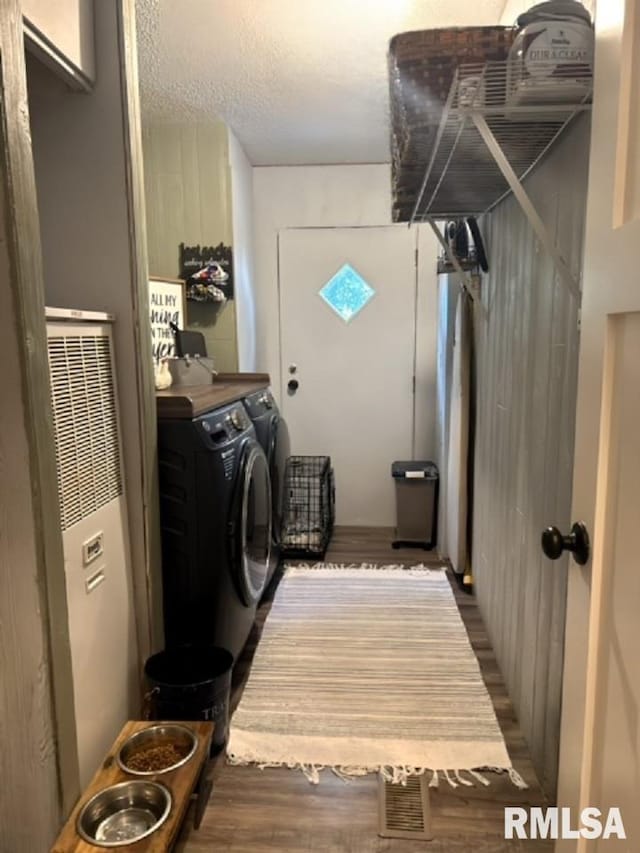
x=347 y=293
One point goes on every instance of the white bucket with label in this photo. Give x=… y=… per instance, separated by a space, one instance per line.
x=551 y=60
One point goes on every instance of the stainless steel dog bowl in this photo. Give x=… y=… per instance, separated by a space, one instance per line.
x=124 y=813
x=160 y=735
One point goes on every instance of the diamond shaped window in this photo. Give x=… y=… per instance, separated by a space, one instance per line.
x=347 y=293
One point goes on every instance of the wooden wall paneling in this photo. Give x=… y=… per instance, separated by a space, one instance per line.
x=214 y=172
x=521 y=421
x=526 y=339
x=540 y=430
x=508 y=410
x=188 y=192
x=502 y=418
x=38 y=755
x=151 y=637
x=164 y=177
x=570 y=233
x=504 y=401
x=504 y=304
x=170 y=198
x=544 y=418
x=491 y=474
x=152 y=205
x=487 y=365
x=192 y=189
x=538 y=387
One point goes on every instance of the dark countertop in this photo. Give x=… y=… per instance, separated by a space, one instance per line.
x=189 y=401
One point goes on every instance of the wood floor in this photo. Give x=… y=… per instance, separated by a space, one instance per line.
x=271 y=810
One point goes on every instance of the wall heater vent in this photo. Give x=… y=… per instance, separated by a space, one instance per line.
x=85 y=422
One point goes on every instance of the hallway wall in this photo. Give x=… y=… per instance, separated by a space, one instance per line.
x=527 y=337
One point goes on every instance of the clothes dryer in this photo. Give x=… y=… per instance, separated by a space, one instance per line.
x=216 y=519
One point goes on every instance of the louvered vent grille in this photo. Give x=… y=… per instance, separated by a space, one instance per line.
x=86 y=431
x=404 y=809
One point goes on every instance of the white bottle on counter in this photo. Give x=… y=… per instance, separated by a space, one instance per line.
x=164 y=379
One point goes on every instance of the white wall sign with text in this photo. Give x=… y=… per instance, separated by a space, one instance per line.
x=167 y=304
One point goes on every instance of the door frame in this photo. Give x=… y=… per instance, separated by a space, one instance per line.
x=55 y=705
x=22 y=228
x=594 y=456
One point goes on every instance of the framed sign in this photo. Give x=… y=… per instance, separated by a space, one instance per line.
x=167 y=304
x=194 y=258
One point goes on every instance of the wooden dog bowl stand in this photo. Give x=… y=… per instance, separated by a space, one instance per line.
x=183 y=782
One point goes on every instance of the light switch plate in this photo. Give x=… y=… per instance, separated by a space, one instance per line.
x=93 y=548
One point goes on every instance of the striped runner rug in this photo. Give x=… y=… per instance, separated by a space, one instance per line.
x=363 y=669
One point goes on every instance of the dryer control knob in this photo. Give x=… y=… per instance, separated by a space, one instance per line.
x=237 y=419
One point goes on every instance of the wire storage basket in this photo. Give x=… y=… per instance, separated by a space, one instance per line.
x=309 y=506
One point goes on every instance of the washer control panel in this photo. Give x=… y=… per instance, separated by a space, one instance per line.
x=224 y=425
x=259 y=403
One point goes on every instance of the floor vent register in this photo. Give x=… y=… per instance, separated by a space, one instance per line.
x=404 y=809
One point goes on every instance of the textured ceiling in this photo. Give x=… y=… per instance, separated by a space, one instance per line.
x=298 y=81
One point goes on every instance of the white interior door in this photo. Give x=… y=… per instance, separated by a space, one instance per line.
x=600 y=742
x=355 y=375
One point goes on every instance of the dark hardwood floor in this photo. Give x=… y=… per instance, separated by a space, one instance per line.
x=265 y=811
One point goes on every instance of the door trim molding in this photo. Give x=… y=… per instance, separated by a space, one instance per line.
x=27 y=290
x=147 y=582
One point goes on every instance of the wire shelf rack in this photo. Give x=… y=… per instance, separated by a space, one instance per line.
x=523 y=115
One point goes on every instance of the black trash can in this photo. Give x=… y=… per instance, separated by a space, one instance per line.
x=192 y=683
x=416 y=503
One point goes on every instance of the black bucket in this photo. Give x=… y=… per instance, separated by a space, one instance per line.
x=192 y=683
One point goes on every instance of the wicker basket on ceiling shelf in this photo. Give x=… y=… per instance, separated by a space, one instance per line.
x=422 y=66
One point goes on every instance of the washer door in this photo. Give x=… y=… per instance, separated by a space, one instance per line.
x=251 y=525
x=272 y=439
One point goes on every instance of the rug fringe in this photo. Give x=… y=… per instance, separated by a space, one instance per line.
x=395 y=775
x=420 y=567
x=449 y=779
x=482 y=779
x=517 y=779
x=466 y=782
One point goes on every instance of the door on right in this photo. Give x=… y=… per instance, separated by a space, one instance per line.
x=600 y=739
